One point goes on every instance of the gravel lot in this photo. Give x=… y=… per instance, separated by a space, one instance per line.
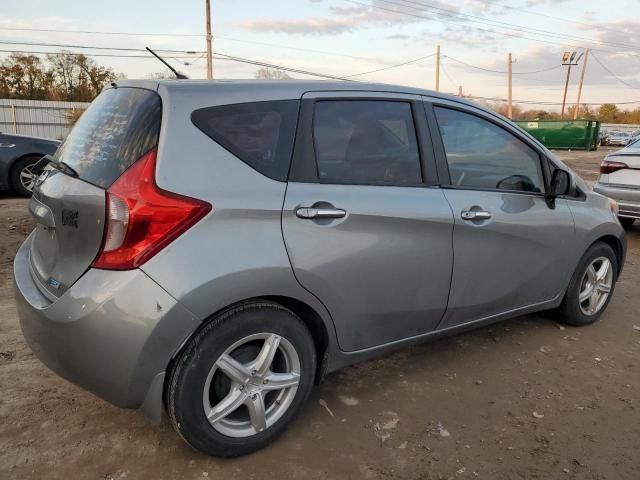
x=523 y=399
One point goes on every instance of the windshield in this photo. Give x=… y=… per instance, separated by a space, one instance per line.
x=119 y=126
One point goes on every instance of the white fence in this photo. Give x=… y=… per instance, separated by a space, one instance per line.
x=39 y=118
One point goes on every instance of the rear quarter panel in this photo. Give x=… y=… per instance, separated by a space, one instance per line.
x=237 y=251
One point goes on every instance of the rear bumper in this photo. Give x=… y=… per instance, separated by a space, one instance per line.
x=112 y=333
x=628 y=198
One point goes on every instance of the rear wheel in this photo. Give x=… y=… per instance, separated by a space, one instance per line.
x=241 y=380
x=22 y=177
x=626 y=222
x=591 y=286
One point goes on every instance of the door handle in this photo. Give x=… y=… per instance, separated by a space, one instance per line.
x=317 y=213
x=475 y=215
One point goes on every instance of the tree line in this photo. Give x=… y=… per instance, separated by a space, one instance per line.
x=77 y=78
x=606 y=113
x=64 y=77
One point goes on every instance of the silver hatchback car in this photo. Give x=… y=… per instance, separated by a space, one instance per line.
x=213 y=249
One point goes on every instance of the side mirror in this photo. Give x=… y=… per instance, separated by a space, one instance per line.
x=560 y=183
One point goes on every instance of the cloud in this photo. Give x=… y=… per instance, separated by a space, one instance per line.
x=348 y=19
x=398 y=36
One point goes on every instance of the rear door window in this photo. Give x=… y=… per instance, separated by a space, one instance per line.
x=370 y=142
x=483 y=155
x=260 y=134
x=118 y=128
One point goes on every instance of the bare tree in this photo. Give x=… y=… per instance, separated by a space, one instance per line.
x=266 y=73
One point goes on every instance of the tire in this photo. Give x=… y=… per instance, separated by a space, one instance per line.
x=204 y=364
x=572 y=311
x=626 y=222
x=17 y=177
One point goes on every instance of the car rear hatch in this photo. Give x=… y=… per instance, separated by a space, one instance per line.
x=622 y=169
x=118 y=128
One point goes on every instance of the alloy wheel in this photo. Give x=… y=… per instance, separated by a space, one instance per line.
x=596 y=286
x=251 y=385
x=27 y=177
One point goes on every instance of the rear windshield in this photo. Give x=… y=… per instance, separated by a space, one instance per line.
x=260 y=134
x=119 y=126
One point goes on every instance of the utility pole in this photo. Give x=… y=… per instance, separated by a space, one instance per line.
x=568 y=61
x=209 y=50
x=510 y=92
x=584 y=69
x=566 y=87
x=438 y=68
x=460 y=91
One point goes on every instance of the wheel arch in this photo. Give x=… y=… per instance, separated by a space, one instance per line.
x=616 y=244
x=309 y=316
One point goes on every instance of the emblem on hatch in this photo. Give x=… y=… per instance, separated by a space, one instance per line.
x=70 y=218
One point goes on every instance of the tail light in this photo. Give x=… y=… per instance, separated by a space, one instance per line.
x=608 y=166
x=142 y=218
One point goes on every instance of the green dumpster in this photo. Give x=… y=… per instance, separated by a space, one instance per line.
x=564 y=134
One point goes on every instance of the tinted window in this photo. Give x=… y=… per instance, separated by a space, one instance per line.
x=483 y=155
x=261 y=133
x=366 y=142
x=119 y=126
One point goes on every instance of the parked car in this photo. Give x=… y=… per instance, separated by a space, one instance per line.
x=619 y=179
x=603 y=137
x=18 y=154
x=619 y=139
x=213 y=249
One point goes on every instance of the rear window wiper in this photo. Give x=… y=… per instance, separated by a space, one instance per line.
x=57 y=164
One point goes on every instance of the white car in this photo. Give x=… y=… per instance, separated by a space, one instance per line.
x=620 y=179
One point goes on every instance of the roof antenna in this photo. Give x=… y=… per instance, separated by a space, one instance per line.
x=178 y=75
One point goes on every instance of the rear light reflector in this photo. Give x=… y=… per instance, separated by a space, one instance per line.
x=608 y=166
x=142 y=218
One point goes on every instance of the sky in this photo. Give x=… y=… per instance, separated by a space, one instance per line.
x=348 y=38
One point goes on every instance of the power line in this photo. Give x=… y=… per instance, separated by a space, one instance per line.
x=614 y=75
x=498 y=23
x=52 y=30
x=500 y=71
x=446 y=74
x=122 y=49
x=93 y=54
x=391 y=66
x=217 y=55
x=223 y=37
x=222 y=56
x=561 y=19
x=516 y=35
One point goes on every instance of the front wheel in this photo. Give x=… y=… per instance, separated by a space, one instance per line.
x=241 y=380
x=591 y=286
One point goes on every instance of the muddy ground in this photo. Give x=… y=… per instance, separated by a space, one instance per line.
x=523 y=399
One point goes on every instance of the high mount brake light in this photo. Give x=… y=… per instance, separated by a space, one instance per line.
x=141 y=218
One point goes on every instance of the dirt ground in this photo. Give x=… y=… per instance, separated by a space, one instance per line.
x=523 y=399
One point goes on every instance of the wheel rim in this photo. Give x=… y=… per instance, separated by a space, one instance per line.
x=596 y=286
x=27 y=177
x=251 y=385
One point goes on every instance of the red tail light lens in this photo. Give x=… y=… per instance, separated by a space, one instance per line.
x=142 y=218
x=609 y=166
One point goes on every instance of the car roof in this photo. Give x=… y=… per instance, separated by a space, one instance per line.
x=295 y=88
